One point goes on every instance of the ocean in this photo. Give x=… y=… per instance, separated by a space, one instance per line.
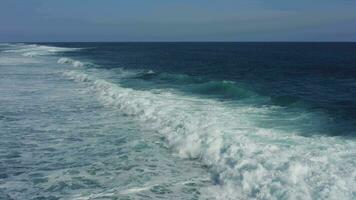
x=210 y=121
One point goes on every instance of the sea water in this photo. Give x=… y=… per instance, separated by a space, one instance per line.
x=178 y=121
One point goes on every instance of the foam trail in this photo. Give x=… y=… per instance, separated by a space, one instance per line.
x=246 y=161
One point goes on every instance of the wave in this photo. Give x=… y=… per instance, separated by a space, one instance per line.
x=167 y=77
x=226 y=89
x=146 y=75
x=33 y=54
x=70 y=61
x=222 y=89
x=33 y=50
x=246 y=161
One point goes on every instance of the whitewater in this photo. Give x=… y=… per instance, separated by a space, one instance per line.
x=169 y=143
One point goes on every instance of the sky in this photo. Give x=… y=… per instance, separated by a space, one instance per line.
x=177 y=20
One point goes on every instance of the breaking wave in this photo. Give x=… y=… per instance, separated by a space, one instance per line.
x=245 y=160
x=34 y=50
x=72 y=62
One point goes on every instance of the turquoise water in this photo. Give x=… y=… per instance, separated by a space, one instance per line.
x=92 y=121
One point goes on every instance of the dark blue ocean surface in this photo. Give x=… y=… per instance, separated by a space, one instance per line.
x=178 y=121
x=318 y=76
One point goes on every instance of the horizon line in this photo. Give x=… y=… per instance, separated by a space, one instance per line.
x=178 y=41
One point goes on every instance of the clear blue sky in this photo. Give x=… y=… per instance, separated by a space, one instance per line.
x=177 y=20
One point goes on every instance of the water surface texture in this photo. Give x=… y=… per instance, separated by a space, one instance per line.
x=178 y=121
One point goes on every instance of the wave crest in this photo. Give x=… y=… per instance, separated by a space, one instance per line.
x=33 y=50
x=74 y=63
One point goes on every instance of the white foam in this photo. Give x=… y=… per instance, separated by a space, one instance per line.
x=38 y=50
x=247 y=162
x=74 y=63
x=65 y=61
x=151 y=72
x=32 y=54
x=134 y=190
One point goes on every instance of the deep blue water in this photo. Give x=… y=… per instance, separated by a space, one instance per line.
x=318 y=76
x=178 y=121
